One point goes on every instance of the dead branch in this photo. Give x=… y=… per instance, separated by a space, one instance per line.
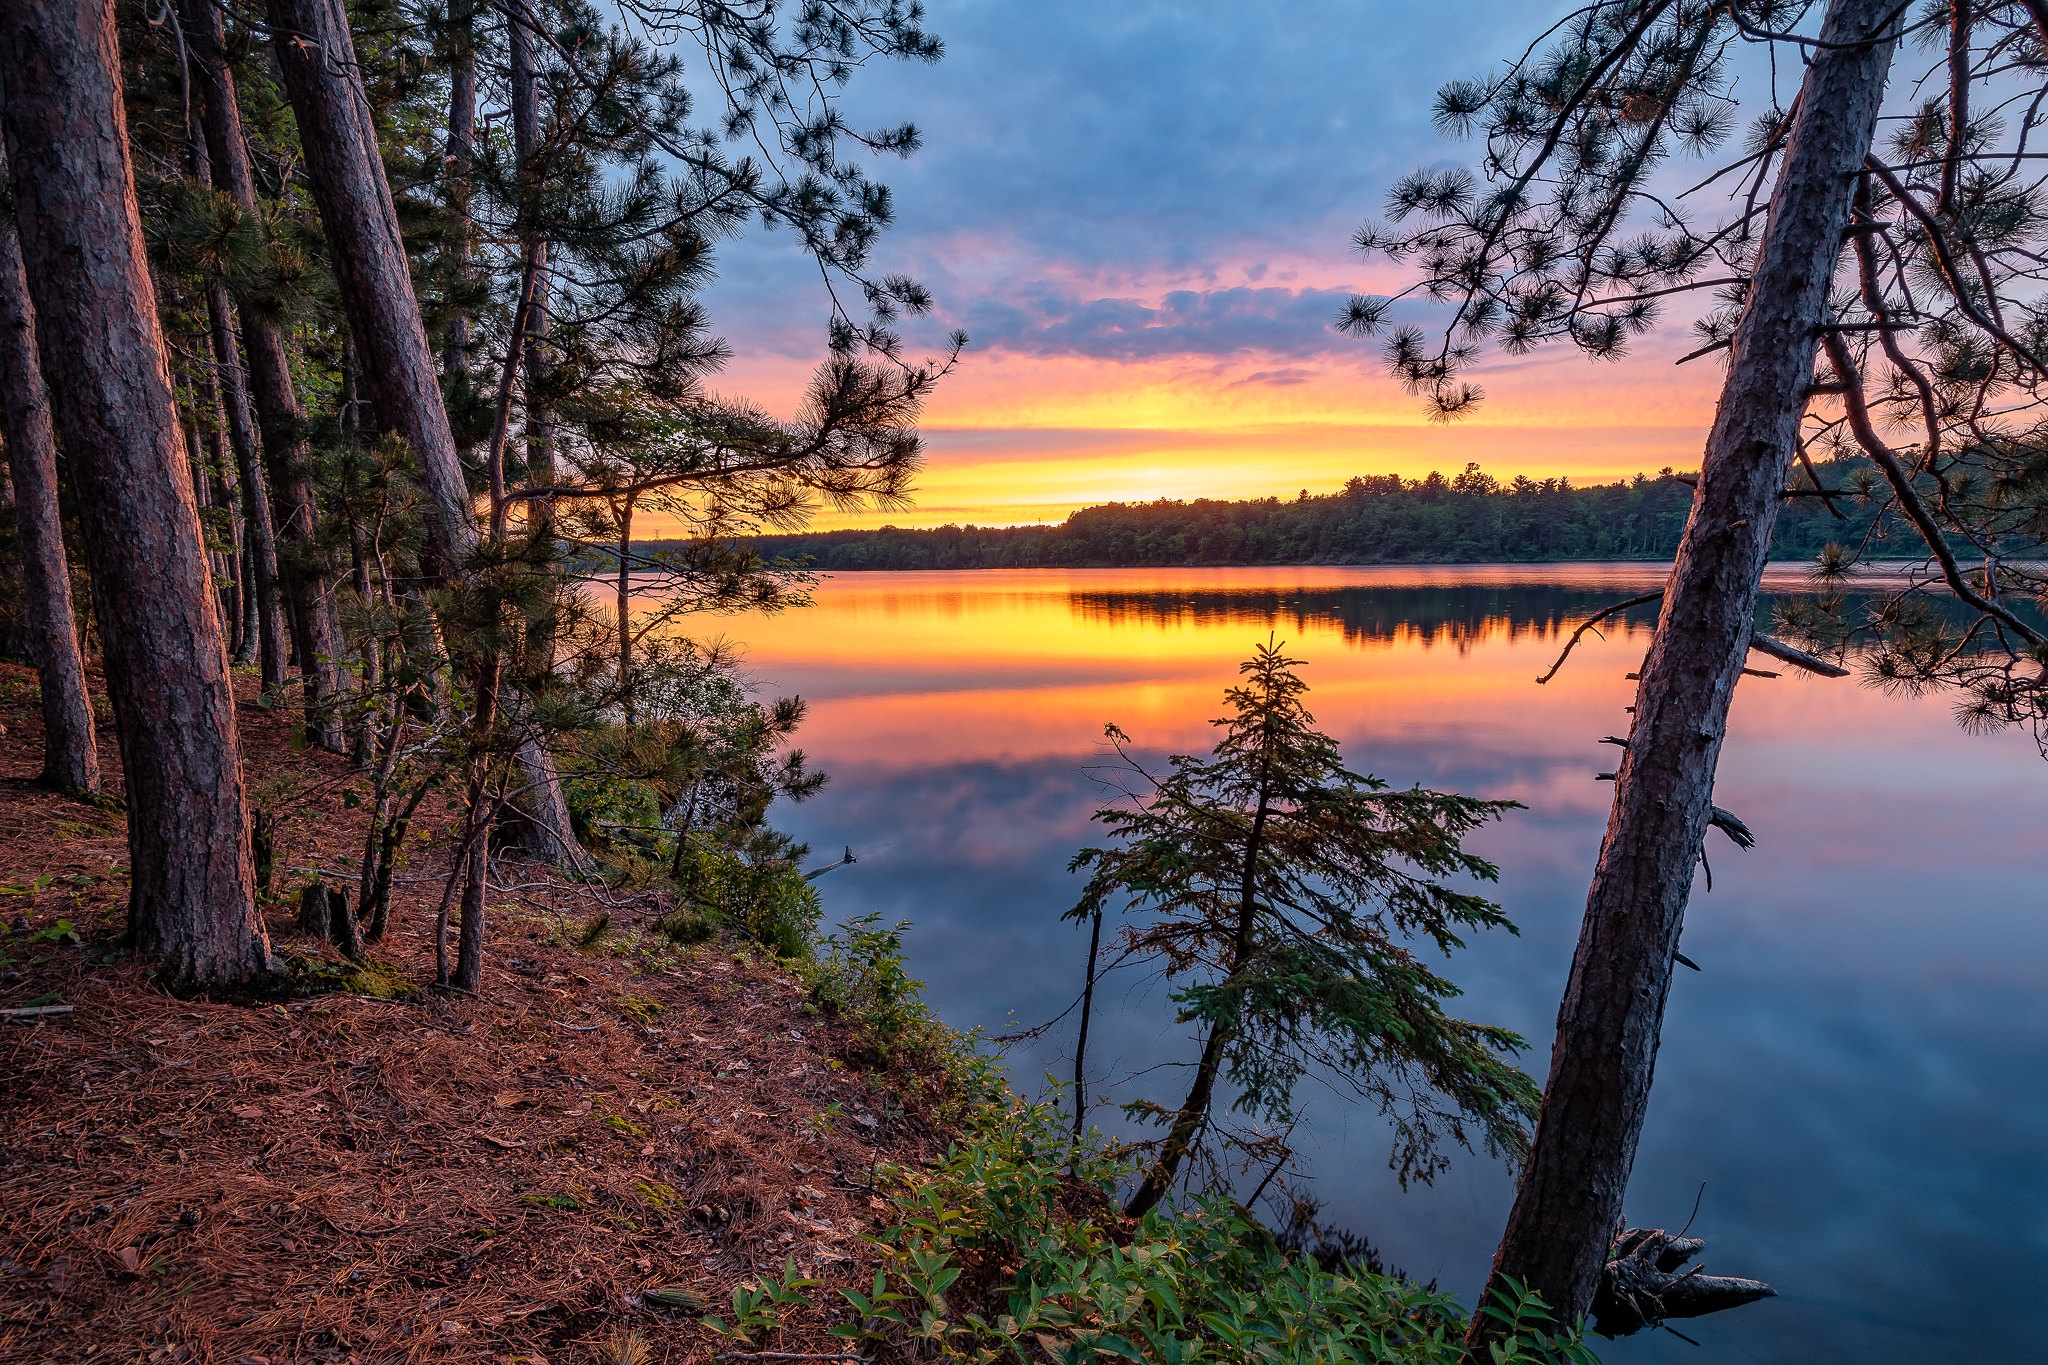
x=1798 y=658
x=1642 y=1286
x=1593 y=621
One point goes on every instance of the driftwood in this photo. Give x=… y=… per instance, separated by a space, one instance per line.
x=1642 y=1285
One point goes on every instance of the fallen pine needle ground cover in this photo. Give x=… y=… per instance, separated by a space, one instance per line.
x=576 y=1165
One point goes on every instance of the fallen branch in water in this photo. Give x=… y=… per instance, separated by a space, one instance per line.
x=1642 y=1286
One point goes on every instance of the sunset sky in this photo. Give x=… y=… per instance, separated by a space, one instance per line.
x=1140 y=212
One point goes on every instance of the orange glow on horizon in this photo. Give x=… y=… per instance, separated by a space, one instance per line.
x=1014 y=439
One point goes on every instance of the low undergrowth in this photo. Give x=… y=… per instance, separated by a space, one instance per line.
x=1011 y=1247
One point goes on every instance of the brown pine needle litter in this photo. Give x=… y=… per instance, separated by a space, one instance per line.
x=573 y=1167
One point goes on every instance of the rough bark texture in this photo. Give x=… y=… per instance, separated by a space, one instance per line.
x=310 y=590
x=190 y=905
x=317 y=56
x=280 y=494
x=542 y=829
x=71 y=758
x=461 y=154
x=469 y=958
x=259 y=535
x=1570 y=1198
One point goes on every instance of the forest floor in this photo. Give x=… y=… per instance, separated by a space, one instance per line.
x=347 y=1178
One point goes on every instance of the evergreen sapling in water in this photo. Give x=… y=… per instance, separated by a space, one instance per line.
x=1282 y=893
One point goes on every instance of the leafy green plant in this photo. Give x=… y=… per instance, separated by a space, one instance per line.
x=1010 y=1250
x=766 y=899
x=758 y=1308
x=861 y=980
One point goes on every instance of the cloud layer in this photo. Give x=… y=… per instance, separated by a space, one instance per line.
x=1140 y=213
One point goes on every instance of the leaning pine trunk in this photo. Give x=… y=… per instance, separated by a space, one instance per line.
x=71 y=759
x=317 y=56
x=277 y=501
x=190 y=904
x=1194 y=1110
x=1570 y=1200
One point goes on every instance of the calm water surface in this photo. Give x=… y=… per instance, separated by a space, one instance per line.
x=1857 y=1075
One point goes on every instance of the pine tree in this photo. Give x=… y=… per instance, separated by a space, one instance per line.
x=1573 y=238
x=71 y=760
x=191 y=904
x=1282 y=891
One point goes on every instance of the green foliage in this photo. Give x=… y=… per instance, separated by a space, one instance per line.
x=1383 y=519
x=1008 y=1250
x=861 y=980
x=1281 y=891
x=757 y=1308
x=769 y=902
x=606 y=807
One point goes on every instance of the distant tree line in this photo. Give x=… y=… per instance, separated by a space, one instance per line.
x=1375 y=519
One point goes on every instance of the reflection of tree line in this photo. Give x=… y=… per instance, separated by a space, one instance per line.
x=1460 y=616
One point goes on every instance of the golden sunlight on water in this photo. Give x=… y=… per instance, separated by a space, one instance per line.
x=1013 y=665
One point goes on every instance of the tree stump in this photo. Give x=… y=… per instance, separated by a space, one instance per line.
x=1641 y=1284
x=342 y=931
x=324 y=914
x=313 y=914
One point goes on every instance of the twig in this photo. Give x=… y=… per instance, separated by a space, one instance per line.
x=35 y=1011
x=1592 y=621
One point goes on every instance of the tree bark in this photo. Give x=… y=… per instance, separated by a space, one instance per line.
x=317 y=56
x=623 y=596
x=1570 y=1199
x=71 y=759
x=258 y=532
x=190 y=904
x=461 y=157
x=279 y=501
x=543 y=829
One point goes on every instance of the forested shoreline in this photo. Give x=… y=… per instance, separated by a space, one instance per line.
x=1379 y=519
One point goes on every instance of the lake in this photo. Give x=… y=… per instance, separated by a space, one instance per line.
x=1856 y=1076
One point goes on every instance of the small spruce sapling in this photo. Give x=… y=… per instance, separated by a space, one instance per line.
x=1281 y=892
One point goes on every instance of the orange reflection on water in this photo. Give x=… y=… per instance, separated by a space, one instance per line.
x=1012 y=665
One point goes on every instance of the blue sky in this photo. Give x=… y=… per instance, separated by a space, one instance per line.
x=1140 y=213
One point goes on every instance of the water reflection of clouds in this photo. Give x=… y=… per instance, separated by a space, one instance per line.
x=1855 y=1075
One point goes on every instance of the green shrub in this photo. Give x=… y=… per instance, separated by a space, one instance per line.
x=1203 y=1281
x=1011 y=1250
x=861 y=980
x=769 y=902
x=604 y=808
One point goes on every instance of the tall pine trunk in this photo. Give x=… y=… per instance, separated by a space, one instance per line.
x=461 y=160
x=71 y=759
x=259 y=534
x=1570 y=1199
x=543 y=828
x=276 y=498
x=191 y=902
x=317 y=56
